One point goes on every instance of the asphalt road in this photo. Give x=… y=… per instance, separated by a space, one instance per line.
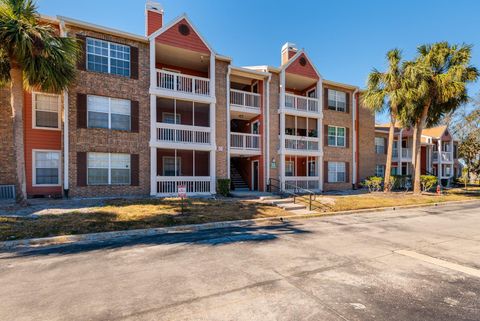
x=417 y=264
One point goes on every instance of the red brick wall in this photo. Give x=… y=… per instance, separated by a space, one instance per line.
x=154 y=21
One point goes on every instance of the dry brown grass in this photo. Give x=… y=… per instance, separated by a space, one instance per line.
x=130 y=214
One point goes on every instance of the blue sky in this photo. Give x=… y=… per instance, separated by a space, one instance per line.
x=344 y=39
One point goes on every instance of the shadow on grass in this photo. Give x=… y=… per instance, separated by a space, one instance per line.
x=210 y=237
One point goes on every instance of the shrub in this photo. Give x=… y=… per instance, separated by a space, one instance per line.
x=373 y=183
x=401 y=182
x=223 y=186
x=428 y=181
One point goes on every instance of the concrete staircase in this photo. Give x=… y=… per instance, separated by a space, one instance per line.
x=237 y=180
x=287 y=204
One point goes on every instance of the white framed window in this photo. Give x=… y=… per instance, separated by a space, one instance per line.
x=394 y=171
x=108 y=169
x=336 y=136
x=337 y=100
x=169 y=166
x=380 y=170
x=46 y=111
x=379 y=145
x=106 y=112
x=336 y=172
x=289 y=168
x=108 y=57
x=171 y=118
x=46 y=168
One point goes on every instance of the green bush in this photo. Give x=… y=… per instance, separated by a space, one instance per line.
x=401 y=182
x=373 y=183
x=223 y=186
x=428 y=181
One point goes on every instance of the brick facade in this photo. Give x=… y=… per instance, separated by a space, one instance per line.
x=106 y=140
x=274 y=125
x=366 y=143
x=221 y=70
x=7 y=156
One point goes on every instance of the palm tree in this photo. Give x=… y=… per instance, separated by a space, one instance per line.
x=440 y=73
x=32 y=56
x=385 y=92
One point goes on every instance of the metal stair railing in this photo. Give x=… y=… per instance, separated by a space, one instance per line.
x=296 y=192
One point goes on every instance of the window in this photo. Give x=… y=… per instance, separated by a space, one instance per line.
x=171 y=118
x=169 y=166
x=289 y=168
x=336 y=136
x=46 y=111
x=111 y=113
x=380 y=170
x=108 y=169
x=379 y=145
x=336 y=172
x=394 y=171
x=108 y=57
x=337 y=100
x=46 y=169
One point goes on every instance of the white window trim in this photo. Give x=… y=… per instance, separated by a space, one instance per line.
x=336 y=137
x=109 y=57
x=178 y=168
x=383 y=170
x=382 y=145
x=34 y=113
x=109 y=170
x=110 y=113
x=337 y=100
x=336 y=172
x=34 y=170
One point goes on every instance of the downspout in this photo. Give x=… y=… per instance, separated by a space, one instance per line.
x=266 y=109
x=228 y=120
x=355 y=111
x=66 y=153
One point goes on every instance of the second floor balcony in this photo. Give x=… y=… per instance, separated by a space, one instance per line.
x=301 y=104
x=244 y=101
x=445 y=157
x=184 y=135
x=245 y=144
x=302 y=144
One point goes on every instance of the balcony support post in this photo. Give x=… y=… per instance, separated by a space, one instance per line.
x=439 y=162
x=153 y=150
x=229 y=136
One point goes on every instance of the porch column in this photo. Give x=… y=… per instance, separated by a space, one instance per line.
x=213 y=173
x=400 y=151
x=320 y=132
x=439 y=166
x=153 y=149
x=282 y=129
x=213 y=188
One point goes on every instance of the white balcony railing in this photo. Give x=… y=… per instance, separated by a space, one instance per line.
x=406 y=153
x=307 y=182
x=183 y=134
x=245 y=99
x=301 y=103
x=194 y=184
x=302 y=143
x=446 y=156
x=183 y=83
x=243 y=141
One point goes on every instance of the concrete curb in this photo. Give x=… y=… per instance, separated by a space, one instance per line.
x=103 y=236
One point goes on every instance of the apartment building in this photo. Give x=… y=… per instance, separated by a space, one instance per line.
x=438 y=152
x=149 y=113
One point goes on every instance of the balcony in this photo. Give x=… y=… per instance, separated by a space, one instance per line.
x=406 y=153
x=446 y=157
x=301 y=104
x=301 y=143
x=248 y=144
x=183 y=84
x=168 y=185
x=245 y=101
x=183 y=135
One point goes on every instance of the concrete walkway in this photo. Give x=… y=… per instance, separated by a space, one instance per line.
x=415 y=264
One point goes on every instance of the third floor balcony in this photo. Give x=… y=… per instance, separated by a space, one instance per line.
x=182 y=83
x=301 y=103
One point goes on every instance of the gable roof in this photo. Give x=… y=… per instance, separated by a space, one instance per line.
x=296 y=57
x=174 y=22
x=435 y=132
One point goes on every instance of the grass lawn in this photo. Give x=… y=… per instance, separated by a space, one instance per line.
x=123 y=214
x=375 y=200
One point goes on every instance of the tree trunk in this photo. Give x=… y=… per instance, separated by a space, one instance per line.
x=17 y=103
x=388 y=167
x=417 y=152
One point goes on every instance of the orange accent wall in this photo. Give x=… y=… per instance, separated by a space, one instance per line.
x=154 y=21
x=38 y=139
x=173 y=37
x=307 y=70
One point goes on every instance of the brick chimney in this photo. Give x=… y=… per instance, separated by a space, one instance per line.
x=153 y=17
x=288 y=51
